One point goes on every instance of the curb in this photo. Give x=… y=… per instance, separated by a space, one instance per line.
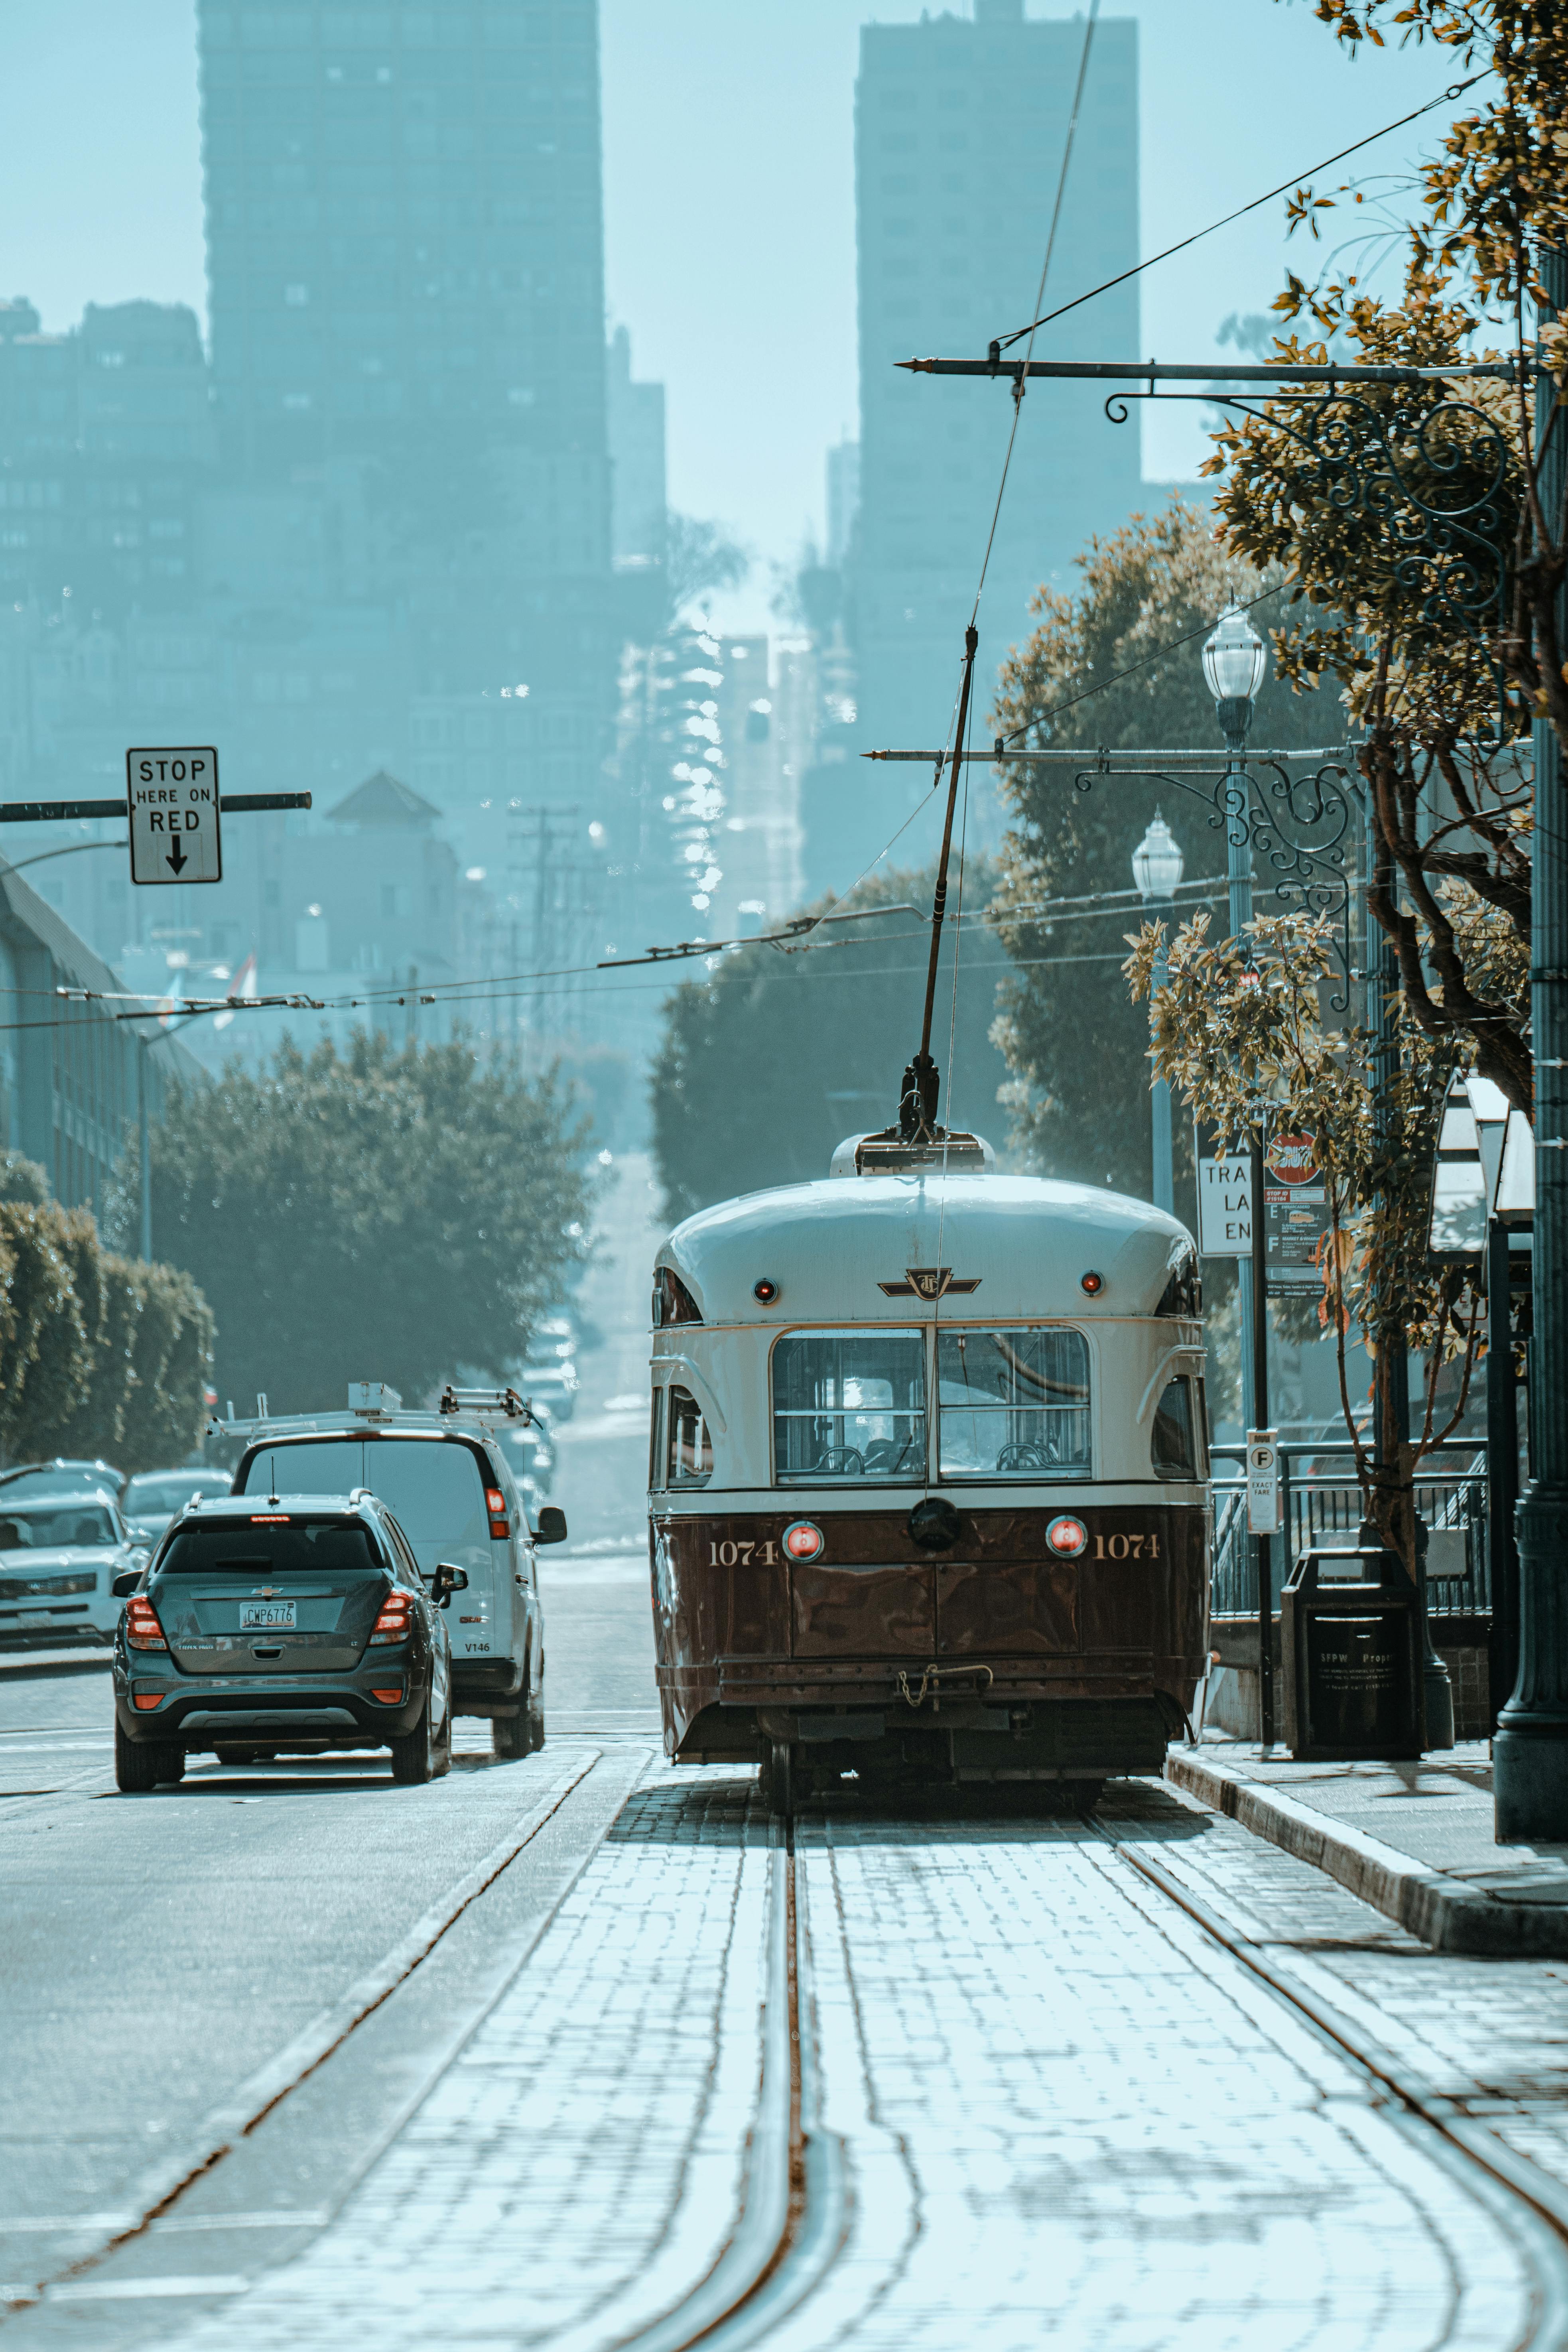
x=84 y=1661
x=1444 y=1913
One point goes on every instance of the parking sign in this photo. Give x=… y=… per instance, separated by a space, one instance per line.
x=174 y=834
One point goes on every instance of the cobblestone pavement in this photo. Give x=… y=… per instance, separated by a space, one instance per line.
x=1486 y=2039
x=579 y=2166
x=1078 y=2119
x=1065 y=2113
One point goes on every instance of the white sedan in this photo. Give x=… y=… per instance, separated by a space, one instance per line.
x=59 y=1556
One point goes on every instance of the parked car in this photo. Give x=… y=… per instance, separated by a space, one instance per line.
x=447 y=1478
x=303 y=1626
x=154 y=1497
x=60 y=1476
x=59 y=1557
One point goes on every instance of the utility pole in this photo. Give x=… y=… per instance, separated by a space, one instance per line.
x=143 y=1047
x=1530 y=1750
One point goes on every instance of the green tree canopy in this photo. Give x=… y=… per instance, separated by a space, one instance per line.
x=1077 y=1046
x=771 y=1059
x=98 y=1354
x=378 y=1214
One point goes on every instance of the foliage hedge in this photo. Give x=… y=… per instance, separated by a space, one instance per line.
x=99 y=1355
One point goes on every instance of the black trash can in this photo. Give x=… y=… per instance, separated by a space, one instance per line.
x=1351 y=1657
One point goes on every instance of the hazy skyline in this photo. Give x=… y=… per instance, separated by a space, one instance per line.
x=729 y=202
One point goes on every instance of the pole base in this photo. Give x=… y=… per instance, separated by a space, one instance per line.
x=1438 y=1694
x=1529 y=1779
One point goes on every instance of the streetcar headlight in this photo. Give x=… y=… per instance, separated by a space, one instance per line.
x=1067 y=1536
x=804 y=1540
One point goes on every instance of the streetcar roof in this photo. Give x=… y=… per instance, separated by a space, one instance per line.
x=1025 y=1242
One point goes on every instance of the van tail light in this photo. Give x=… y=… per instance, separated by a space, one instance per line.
x=495 y=1504
x=142 y=1629
x=392 y=1696
x=396 y=1621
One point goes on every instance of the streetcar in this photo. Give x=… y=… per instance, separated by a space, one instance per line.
x=928 y=1472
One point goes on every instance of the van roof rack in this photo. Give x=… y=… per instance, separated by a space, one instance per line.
x=372 y=1404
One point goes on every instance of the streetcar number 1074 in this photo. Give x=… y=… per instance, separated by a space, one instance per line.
x=740 y=1555
x=1127 y=1547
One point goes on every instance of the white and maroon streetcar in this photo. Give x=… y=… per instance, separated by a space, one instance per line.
x=928 y=1476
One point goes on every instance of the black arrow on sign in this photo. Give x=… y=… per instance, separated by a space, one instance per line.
x=177 y=858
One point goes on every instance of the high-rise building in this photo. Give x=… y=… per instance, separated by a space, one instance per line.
x=635 y=421
x=404 y=243
x=960 y=131
x=843 y=473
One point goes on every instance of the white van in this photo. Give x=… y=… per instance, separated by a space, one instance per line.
x=445 y=1479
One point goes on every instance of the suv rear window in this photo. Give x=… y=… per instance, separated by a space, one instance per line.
x=303 y=1547
x=434 y=1487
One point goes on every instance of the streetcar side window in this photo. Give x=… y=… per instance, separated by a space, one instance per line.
x=689 y=1458
x=1176 y=1444
x=849 y=1406
x=1013 y=1404
x=655 y=1451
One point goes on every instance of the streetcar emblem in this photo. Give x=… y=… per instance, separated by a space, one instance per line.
x=928 y=1282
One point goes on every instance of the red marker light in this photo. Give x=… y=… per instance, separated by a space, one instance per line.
x=1091 y=1282
x=1066 y=1537
x=269 y=1518
x=803 y=1539
x=766 y=1291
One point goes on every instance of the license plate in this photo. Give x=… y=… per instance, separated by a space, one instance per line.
x=257 y=1616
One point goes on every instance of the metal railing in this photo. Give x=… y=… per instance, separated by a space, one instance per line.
x=1323 y=1503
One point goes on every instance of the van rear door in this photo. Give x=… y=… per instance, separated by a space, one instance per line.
x=434 y=1489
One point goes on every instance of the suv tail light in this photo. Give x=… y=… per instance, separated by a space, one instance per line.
x=142 y=1629
x=495 y=1504
x=396 y=1621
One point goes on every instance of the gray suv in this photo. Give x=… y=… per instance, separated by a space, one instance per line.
x=293 y=1623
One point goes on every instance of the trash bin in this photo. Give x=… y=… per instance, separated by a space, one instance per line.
x=1351 y=1657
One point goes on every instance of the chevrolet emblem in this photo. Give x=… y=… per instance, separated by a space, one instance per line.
x=928 y=1282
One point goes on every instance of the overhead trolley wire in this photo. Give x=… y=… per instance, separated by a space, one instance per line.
x=1454 y=90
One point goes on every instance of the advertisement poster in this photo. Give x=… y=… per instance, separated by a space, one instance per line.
x=1295 y=1215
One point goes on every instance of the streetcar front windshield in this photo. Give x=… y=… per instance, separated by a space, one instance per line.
x=849 y=1406
x=1014 y=1404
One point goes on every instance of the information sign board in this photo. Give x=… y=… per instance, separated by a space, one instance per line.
x=1295 y=1216
x=1224 y=1208
x=174 y=802
x=1265 y=1490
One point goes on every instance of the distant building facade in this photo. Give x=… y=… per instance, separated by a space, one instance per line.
x=635 y=416
x=375 y=533
x=960 y=130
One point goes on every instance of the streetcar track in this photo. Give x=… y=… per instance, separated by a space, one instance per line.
x=790 y=2222
x=1508 y=2181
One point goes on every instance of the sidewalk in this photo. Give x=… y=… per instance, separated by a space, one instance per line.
x=1414 y=1840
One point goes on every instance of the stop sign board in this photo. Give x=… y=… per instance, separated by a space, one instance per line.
x=174 y=805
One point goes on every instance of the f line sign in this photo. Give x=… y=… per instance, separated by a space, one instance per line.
x=174 y=809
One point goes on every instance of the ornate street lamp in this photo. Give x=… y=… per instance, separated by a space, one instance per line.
x=1235 y=662
x=1157 y=871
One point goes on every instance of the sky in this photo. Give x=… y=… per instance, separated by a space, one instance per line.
x=729 y=193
